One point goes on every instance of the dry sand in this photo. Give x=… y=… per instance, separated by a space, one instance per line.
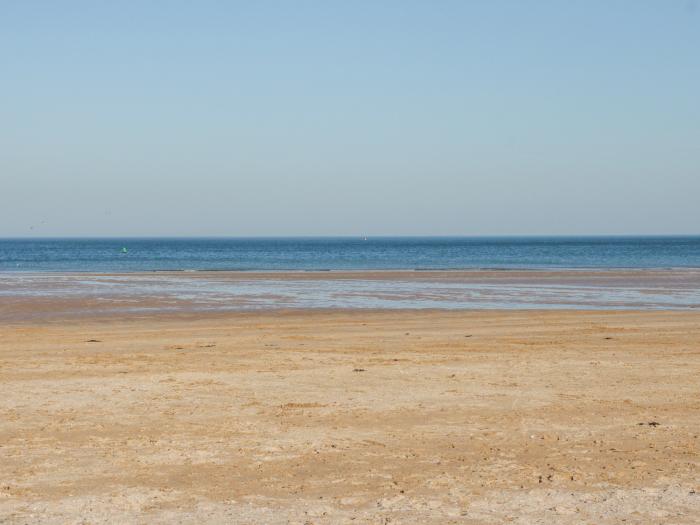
x=352 y=417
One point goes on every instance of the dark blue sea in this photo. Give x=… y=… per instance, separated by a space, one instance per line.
x=379 y=253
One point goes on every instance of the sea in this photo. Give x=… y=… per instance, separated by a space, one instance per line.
x=41 y=278
x=346 y=253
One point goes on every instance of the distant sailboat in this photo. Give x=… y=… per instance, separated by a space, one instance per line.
x=124 y=250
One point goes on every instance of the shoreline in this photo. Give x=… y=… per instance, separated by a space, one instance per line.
x=356 y=271
x=65 y=295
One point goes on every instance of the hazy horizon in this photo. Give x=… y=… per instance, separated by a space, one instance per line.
x=312 y=119
x=350 y=237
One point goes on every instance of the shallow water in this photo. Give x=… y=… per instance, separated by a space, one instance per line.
x=679 y=289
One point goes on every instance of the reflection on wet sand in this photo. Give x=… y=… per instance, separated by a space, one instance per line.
x=60 y=295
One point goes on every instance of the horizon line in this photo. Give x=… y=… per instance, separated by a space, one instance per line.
x=357 y=236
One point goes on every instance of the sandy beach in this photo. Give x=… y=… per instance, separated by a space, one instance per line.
x=350 y=263
x=352 y=417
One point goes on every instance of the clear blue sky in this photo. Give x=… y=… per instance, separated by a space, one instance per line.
x=349 y=117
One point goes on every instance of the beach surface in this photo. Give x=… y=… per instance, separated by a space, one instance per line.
x=352 y=416
x=59 y=295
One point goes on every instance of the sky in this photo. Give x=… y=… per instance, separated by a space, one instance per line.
x=258 y=118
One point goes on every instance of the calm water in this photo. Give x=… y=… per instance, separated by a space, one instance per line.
x=107 y=255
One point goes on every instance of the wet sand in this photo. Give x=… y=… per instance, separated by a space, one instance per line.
x=352 y=417
x=43 y=296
